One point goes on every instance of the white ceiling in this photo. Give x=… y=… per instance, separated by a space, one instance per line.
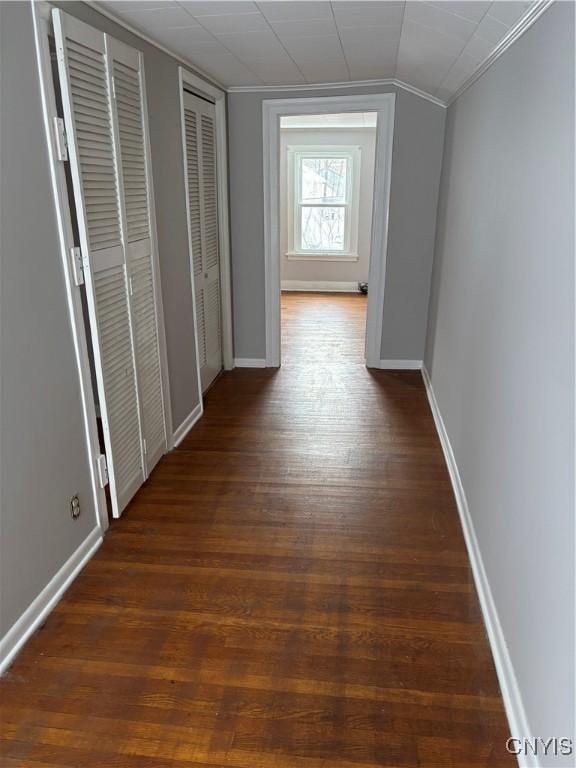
x=341 y=120
x=433 y=46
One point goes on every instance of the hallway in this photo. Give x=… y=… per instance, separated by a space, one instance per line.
x=291 y=589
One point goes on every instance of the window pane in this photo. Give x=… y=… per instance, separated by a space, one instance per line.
x=323 y=228
x=323 y=179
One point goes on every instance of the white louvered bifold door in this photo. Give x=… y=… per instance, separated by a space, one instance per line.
x=115 y=243
x=130 y=123
x=200 y=135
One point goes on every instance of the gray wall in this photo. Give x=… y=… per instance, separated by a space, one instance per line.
x=168 y=170
x=500 y=346
x=44 y=459
x=310 y=269
x=416 y=163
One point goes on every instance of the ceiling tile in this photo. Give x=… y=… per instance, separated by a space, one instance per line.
x=319 y=58
x=278 y=72
x=426 y=79
x=120 y=6
x=367 y=14
x=325 y=71
x=218 y=7
x=459 y=73
x=508 y=12
x=426 y=40
x=254 y=46
x=491 y=30
x=307 y=47
x=234 y=23
x=426 y=72
x=436 y=18
x=478 y=48
x=372 y=70
x=225 y=68
x=312 y=27
x=370 y=40
x=296 y=11
x=188 y=37
x=411 y=61
x=467 y=9
x=342 y=120
x=168 y=16
x=370 y=52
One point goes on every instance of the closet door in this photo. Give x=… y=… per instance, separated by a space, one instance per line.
x=106 y=125
x=200 y=139
x=130 y=123
x=84 y=80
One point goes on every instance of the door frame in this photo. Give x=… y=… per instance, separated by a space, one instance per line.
x=218 y=97
x=272 y=110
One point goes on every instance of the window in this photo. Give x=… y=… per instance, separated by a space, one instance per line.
x=323 y=202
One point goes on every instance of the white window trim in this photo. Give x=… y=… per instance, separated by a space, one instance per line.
x=294 y=153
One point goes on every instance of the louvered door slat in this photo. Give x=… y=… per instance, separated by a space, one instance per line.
x=201 y=323
x=210 y=191
x=193 y=171
x=130 y=117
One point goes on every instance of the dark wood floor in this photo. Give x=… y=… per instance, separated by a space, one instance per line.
x=289 y=590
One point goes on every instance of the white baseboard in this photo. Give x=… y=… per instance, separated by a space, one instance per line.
x=515 y=711
x=186 y=426
x=249 y=362
x=43 y=604
x=324 y=286
x=400 y=365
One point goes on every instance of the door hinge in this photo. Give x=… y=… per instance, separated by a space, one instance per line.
x=77 y=265
x=145 y=447
x=60 y=138
x=102 y=470
x=130 y=286
x=113 y=87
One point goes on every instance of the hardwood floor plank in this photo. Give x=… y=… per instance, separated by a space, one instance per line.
x=290 y=589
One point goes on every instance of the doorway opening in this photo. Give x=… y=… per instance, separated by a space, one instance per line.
x=315 y=216
x=326 y=200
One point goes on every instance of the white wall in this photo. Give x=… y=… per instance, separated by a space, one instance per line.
x=330 y=271
x=501 y=348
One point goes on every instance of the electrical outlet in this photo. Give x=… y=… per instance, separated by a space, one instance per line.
x=75 y=507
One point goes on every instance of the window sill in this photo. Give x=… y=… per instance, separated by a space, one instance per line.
x=291 y=256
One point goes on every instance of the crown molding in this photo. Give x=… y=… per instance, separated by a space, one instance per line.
x=390 y=82
x=525 y=22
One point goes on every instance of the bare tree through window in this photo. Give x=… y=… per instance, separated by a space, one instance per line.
x=323 y=197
